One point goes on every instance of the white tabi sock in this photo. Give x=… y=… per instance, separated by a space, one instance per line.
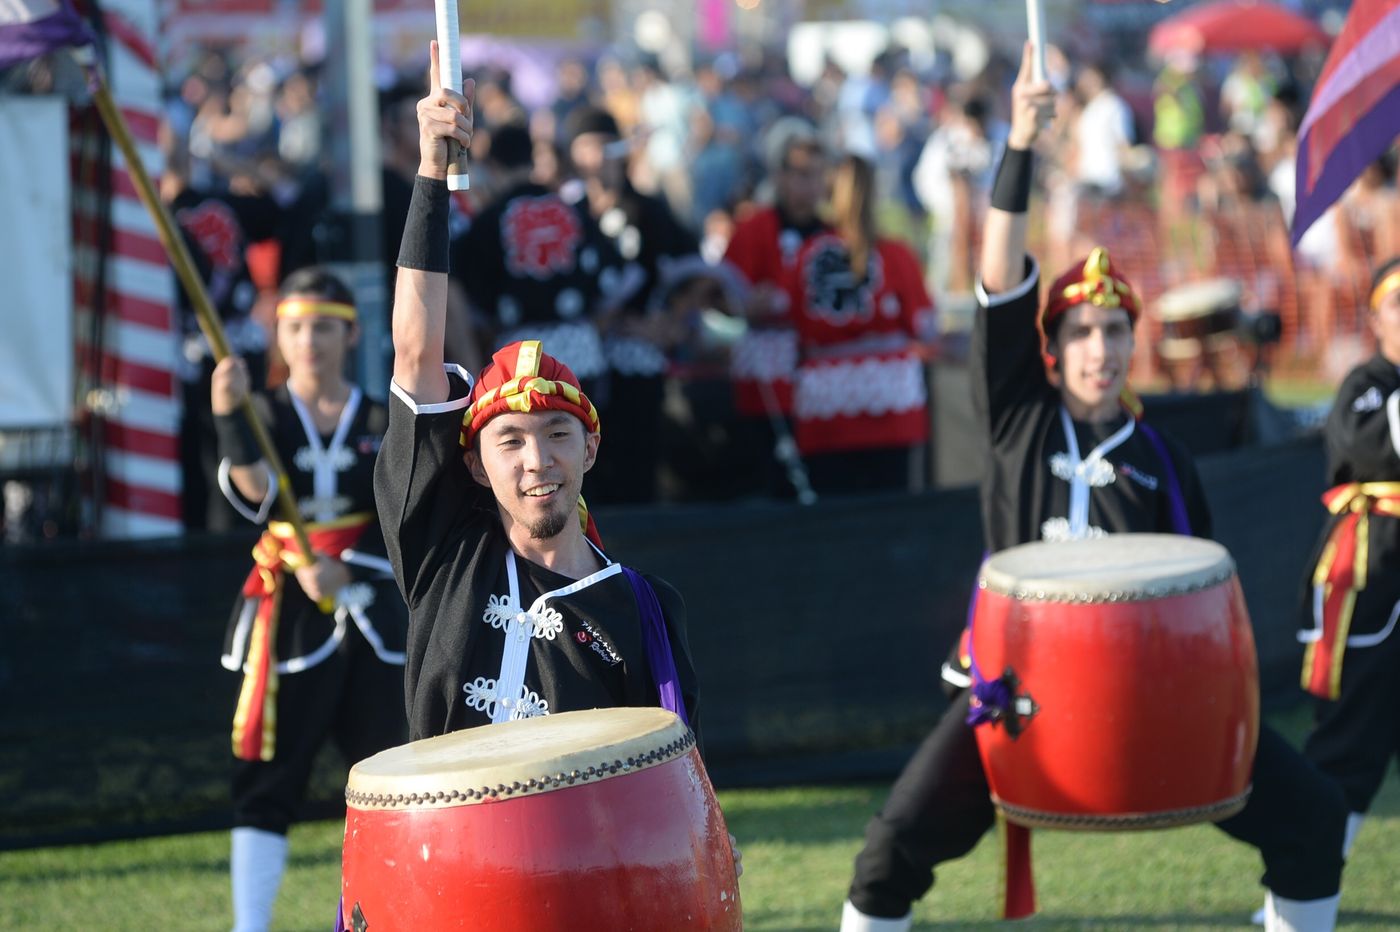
x=256 y=863
x=1353 y=826
x=853 y=920
x=1281 y=915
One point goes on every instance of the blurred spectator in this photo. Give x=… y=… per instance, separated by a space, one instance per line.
x=861 y=407
x=299 y=121
x=218 y=228
x=639 y=336
x=1103 y=134
x=953 y=179
x=764 y=250
x=1179 y=122
x=536 y=268
x=1245 y=93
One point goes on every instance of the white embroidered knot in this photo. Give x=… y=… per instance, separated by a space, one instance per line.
x=356 y=595
x=341 y=459
x=484 y=696
x=1095 y=471
x=501 y=611
x=1056 y=530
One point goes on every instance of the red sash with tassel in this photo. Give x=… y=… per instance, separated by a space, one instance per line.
x=255 y=718
x=1341 y=572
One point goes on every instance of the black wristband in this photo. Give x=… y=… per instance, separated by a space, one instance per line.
x=425 y=240
x=236 y=441
x=1012 y=190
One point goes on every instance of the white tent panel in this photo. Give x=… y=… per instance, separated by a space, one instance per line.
x=36 y=264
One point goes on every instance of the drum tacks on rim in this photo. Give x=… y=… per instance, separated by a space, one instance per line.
x=1135 y=679
x=580 y=821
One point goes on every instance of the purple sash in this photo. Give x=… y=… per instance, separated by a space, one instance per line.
x=658 y=645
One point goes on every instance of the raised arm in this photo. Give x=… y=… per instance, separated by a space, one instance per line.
x=420 y=290
x=1003 y=262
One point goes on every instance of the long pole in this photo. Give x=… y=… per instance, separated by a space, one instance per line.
x=204 y=311
x=1035 y=31
x=449 y=39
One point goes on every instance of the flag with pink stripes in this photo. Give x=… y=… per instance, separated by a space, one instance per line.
x=30 y=28
x=1354 y=115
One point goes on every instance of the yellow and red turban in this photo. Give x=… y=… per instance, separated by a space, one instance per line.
x=521 y=377
x=1094 y=281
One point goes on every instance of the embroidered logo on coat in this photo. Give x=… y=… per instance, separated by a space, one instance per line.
x=1141 y=478
x=594 y=640
x=1372 y=400
x=540 y=236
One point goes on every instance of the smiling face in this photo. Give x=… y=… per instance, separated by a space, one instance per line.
x=1094 y=347
x=534 y=465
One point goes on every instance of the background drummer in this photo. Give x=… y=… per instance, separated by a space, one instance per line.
x=514 y=612
x=1358 y=714
x=1066 y=460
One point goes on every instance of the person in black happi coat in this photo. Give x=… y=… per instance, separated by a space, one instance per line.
x=515 y=609
x=1067 y=461
x=320 y=646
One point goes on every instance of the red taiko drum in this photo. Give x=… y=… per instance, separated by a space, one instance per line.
x=597 y=820
x=1134 y=663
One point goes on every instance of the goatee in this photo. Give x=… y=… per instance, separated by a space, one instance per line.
x=549 y=525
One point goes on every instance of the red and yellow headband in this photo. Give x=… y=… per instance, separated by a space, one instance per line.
x=314 y=307
x=521 y=377
x=1383 y=289
x=1095 y=281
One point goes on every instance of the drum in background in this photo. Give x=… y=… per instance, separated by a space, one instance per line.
x=597 y=820
x=1135 y=664
x=1200 y=323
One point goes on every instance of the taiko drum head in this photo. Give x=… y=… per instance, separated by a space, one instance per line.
x=1132 y=661
x=595 y=820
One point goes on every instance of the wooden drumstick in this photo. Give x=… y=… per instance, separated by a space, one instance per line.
x=449 y=40
x=1035 y=31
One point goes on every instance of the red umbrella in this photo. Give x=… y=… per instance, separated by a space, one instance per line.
x=1236 y=26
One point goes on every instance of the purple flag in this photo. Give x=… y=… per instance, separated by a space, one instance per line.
x=1355 y=109
x=30 y=28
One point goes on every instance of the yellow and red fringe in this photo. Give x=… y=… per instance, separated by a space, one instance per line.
x=255 y=716
x=1341 y=572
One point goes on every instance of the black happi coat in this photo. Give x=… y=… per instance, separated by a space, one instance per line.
x=1025 y=495
x=305 y=634
x=1363 y=445
x=452 y=558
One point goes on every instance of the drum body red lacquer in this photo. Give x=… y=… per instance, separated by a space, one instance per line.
x=598 y=820
x=1137 y=651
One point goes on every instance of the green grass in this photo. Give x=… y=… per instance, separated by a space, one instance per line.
x=798 y=845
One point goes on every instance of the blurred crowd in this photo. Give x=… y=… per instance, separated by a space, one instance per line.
x=1183 y=167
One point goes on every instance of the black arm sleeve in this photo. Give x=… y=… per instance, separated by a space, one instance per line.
x=1006 y=367
x=423 y=491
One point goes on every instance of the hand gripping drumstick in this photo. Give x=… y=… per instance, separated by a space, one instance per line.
x=449 y=41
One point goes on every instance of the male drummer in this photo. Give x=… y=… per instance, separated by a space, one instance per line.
x=514 y=611
x=1352 y=663
x=1066 y=461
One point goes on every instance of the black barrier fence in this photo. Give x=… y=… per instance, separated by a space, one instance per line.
x=818 y=633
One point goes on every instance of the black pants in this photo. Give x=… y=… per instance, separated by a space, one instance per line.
x=1358 y=734
x=353 y=698
x=941 y=806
